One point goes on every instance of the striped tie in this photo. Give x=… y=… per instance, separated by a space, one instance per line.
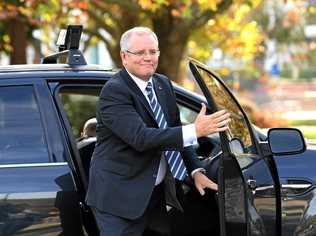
x=174 y=158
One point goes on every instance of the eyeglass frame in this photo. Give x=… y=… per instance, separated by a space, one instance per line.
x=143 y=53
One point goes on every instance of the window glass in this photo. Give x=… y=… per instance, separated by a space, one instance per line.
x=187 y=115
x=21 y=133
x=80 y=105
x=238 y=132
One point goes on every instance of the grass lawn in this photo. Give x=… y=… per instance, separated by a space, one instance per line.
x=308 y=131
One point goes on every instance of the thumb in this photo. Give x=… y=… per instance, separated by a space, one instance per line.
x=201 y=190
x=203 y=109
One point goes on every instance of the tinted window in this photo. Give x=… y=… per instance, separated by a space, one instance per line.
x=187 y=115
x=79 y=103
x=21 y=133
x=238 y=132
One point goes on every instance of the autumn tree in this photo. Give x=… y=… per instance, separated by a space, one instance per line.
x=17 y=21
x=283 y=24
x=185 y=28
x=175 y=23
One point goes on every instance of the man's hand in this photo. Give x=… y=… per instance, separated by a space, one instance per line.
x=208 y=124
x=201 y=182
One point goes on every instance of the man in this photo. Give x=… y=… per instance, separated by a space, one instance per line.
x=85 y=143
x=89 y=128
x=136 y=163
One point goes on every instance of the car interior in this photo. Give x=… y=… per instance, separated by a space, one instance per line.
x=201 y=212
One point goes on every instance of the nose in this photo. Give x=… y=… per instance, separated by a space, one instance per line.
x=147 y=59
x=147 y=56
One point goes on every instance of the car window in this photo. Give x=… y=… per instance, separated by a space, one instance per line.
x=238 y=132
x=187 y=115
x=22 y=138
x=79 y=103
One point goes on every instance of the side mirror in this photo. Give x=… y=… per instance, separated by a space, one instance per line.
x=286 y=141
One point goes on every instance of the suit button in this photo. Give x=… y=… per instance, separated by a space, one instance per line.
x=154 y=175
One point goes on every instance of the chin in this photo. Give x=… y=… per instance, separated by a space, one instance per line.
x=149 y=73
x=145 y=76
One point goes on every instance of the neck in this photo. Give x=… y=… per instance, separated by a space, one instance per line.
x=146 y=79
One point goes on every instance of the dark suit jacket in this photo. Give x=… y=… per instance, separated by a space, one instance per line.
x=129 y=147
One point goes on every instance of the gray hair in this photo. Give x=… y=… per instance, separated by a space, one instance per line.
x=125 y=38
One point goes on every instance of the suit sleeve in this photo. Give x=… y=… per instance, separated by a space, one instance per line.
x=117 y=112
x=188 y=153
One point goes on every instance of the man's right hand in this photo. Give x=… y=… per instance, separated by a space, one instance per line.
x=208 y=124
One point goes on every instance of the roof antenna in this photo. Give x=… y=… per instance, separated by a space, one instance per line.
x=68 y=45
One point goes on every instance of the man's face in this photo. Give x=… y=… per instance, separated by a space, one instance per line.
x=139 y=59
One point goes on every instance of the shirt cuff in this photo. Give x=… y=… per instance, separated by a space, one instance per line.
x=196 y=170
x=189 y=135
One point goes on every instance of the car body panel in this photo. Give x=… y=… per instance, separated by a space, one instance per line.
x=43 y=201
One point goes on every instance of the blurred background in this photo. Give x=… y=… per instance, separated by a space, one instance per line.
x=265 y=50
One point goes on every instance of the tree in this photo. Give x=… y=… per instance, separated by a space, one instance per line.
x=173 y=21
x=18 y=20
x=283 y=24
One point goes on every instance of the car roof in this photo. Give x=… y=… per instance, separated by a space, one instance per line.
x=26 y=70
x=51 y=67
x=65 y=70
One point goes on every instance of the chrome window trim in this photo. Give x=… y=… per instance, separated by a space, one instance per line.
x=296 y=186
x=28 y=196
x=2 y=166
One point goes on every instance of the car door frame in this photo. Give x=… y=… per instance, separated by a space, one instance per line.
x=55 y=85
x=227 y=154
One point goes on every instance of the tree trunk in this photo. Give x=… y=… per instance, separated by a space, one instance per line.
x=171 y=55
x=18 y=40
x=37 y=51
x=172 y=44
x=130 y=20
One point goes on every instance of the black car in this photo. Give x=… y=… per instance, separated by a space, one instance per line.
x=266 y=182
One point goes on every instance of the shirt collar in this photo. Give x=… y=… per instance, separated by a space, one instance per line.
x=141 y=84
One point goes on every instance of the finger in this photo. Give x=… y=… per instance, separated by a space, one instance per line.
x=220 y=123
x=210 y=184
x=203 y=109
x=214 y=187
x=217 y=114
x=201 y=190
x=222 y=128
x=223 y=123
x=222 y=117
x=215 y=120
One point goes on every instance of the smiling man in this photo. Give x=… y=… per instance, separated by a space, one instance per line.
x=142 y=152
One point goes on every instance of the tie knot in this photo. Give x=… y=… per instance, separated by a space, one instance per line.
x=149 y=87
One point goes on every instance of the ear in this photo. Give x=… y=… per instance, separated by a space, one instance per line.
x=123 y=57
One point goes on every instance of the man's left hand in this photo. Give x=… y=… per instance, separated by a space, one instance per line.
x=201 y=182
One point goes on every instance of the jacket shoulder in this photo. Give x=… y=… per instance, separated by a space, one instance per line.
x=115 y=81
x=161 y=77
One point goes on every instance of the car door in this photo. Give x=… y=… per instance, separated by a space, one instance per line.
x=37 y=194
x=249 y=192
x=76 y=104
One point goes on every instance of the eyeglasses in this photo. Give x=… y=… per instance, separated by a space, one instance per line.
x=142 y=53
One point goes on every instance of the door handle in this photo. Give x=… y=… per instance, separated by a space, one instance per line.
x=83 y=206
x=252 y=184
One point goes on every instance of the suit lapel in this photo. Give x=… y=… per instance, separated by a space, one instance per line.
x=162 y=97
x=137 y=91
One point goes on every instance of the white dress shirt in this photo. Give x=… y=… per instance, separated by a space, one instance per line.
x=188 y=131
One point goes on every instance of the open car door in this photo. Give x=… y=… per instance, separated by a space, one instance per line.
x=249 y=189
